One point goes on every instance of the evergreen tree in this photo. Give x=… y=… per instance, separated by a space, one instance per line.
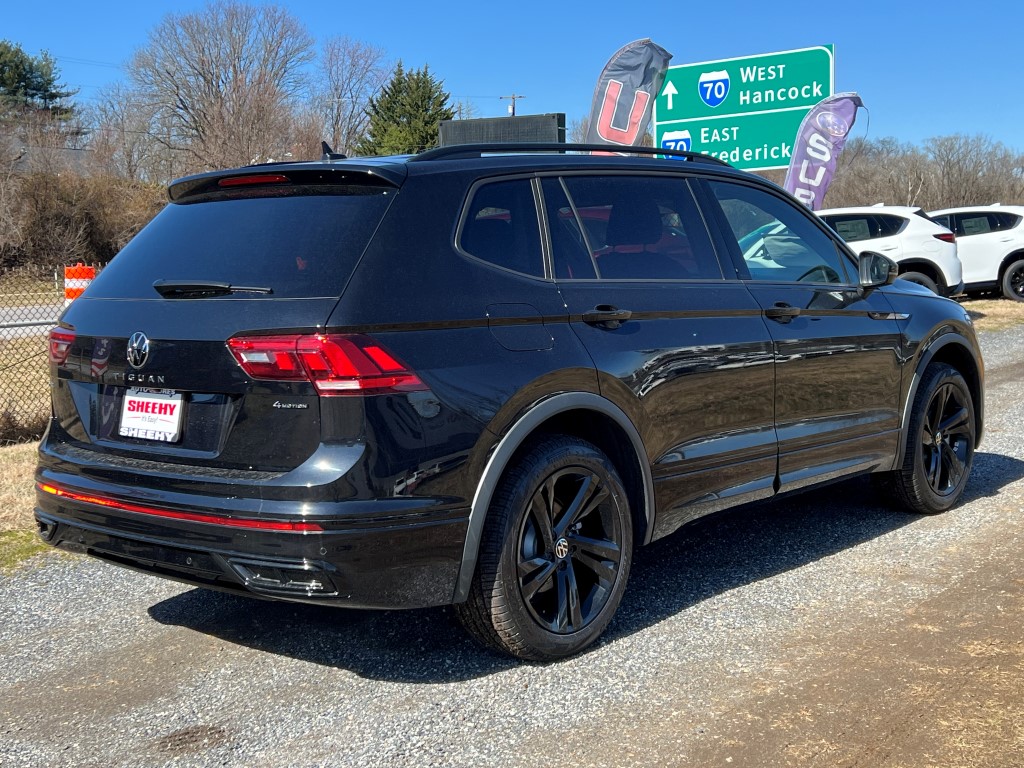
x=406 y=115
x=30 y=82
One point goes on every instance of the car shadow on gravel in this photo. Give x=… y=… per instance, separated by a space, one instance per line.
x=708 y=558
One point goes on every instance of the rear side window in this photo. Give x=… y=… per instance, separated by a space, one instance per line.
x=634 y=228
x=851 y=227
x=1006 y=220
x=570 y=250
x=889 y=225
x=977 y=224
x=500 y=227
x=297 y=246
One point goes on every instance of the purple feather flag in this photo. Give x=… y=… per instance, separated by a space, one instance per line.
x=819 y=141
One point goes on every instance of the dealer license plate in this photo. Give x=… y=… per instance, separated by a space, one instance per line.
x=151 y=414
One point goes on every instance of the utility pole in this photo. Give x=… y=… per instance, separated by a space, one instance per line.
x=512 y=106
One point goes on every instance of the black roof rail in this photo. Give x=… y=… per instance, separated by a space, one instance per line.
x=461 y=151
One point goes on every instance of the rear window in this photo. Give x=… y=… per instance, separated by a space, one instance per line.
x=298 y=246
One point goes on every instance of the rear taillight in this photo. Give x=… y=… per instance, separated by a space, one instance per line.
x=254 y=180
x=335 y=364
x=60 y=345
x=946 y=237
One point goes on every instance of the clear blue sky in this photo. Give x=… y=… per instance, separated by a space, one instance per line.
x=923 y=69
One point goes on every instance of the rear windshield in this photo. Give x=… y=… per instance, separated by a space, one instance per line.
x=297 y=246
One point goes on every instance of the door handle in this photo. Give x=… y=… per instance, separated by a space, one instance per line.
x=782 y=312
x=606 y=316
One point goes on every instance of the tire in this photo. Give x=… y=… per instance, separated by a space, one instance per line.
x=920 y=279
x=554 y=555
x=940 y=444
x=1013 y=281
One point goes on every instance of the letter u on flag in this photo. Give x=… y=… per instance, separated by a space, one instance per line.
x=819 y=141
x=624 y=97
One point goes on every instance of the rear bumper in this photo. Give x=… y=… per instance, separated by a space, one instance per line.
x=357 y=559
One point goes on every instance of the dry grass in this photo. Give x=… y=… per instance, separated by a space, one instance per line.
x=18 y=539
x=24 y=389
x=17 y=491
x=994 y=314
x=29 y=291
x=16 y=546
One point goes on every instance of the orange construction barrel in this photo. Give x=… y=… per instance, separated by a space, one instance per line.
x=76 y=280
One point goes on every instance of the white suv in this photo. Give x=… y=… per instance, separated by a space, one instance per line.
x=990 y=240
x=926 y=252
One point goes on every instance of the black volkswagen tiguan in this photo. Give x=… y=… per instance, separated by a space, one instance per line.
x=483 y=376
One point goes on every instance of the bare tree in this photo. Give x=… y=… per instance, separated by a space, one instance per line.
x=465 y=110
x=124 y=139
x=578 y=130
x=10 y=197
x=350 y=73
x=969 y=170
x=222 y=81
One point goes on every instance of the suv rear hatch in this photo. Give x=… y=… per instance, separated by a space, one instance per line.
x=141 y=365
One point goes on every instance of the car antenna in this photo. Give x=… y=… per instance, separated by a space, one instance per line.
x=329 y=154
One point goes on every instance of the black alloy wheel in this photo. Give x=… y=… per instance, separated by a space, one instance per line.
x=946 y=438
x=940 y=443
x=1013 y=281
x=569 y=552
x=554 y=555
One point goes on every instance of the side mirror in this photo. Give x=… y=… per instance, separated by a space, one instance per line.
x=876 y=270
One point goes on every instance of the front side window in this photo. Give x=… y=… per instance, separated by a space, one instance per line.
x=500 y=227
x=628 y=228
x=777 y=241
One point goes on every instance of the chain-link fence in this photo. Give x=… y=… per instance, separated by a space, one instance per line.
x=31 y=300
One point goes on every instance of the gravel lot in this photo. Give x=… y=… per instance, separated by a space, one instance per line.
x=826 y=629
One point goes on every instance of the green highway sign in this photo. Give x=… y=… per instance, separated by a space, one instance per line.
x=744 y=110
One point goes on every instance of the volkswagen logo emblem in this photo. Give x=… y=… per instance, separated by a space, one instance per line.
x=561 y=549
x=138 y=350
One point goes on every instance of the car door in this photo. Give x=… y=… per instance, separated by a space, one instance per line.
x=837 y=346
x=682 y=350
x=981 y=242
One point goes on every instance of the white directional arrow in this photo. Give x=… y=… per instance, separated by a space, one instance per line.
x=669 y=92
